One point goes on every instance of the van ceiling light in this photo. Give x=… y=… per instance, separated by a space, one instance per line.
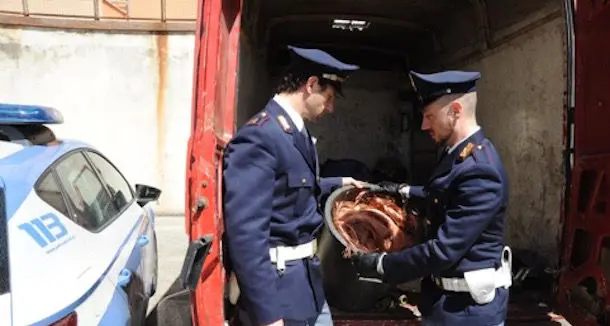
x=351 y=25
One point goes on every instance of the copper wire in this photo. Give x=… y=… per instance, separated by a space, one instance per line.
x=373 y=222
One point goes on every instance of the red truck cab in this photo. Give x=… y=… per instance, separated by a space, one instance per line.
x=236 y=59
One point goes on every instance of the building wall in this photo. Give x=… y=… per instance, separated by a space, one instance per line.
x=55 y=7
x=129 y=95
x=138 y=9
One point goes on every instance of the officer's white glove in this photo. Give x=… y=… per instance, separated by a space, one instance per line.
x=347 y=181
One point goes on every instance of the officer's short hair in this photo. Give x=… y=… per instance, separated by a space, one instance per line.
x=294 y=79
x=306 y=63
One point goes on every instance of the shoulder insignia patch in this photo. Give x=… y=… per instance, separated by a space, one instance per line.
x=258 y=119
x=253 y=121
x=283 y=123
x=467 y=151
x=478 y=151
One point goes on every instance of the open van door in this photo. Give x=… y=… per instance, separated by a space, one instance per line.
x=584 y=283
x=213 y=103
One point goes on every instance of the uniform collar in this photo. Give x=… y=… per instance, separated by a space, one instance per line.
x=292 y=113
x=452 y=148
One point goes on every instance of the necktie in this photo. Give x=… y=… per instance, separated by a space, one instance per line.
x=443 y=154
x=307 y=138
x=308 y=142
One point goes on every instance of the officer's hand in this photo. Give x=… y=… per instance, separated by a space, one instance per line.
x=347 y=181
x=366 y=264
x=386 y=187
x=391 y=187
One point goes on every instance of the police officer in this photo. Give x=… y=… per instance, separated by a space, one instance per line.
x=464 y=263
x=271 y=196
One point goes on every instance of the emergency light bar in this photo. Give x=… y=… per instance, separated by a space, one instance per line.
x=18 y=114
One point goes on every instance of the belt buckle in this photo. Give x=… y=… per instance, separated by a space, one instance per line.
x=280 y=262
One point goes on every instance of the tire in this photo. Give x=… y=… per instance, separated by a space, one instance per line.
x=138 y=303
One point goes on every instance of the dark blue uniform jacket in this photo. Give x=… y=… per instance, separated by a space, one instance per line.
x=466 y=199
x=271 y=193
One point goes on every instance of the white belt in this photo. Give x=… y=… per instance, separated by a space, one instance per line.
x=280 y=255
x=459 y=284
x=501 y=277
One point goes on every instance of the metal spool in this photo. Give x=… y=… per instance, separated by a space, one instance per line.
x=343 y=289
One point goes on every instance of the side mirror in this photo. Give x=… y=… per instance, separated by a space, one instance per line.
x=145 y=194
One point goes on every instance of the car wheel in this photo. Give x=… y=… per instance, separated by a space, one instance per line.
x=138 y=302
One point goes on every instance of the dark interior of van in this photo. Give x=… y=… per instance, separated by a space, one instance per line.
x=518 y=46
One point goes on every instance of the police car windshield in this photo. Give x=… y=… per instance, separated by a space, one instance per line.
x=4 y=279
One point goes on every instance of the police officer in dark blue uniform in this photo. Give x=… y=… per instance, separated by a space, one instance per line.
x=271 y=195
x=464 y=263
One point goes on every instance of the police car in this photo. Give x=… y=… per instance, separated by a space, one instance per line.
x=77 y=241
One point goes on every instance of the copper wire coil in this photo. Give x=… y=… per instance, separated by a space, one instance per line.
x=371 y=222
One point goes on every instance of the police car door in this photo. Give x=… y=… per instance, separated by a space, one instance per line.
x=110 y=221
x=586 y=247
x=216 y=49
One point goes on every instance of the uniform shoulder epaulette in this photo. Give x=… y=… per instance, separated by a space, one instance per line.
x=258 y=119
x=477 y=151
x=283 y=123
x=466 y=151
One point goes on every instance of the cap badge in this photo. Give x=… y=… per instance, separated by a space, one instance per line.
x=333 y=77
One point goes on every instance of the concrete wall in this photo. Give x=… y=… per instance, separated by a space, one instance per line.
x=55 y=7
x=138 y=9
x=521 y=108
x=129 y=95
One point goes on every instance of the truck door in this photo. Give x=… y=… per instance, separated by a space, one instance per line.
x=584 y=287
x=214 y=84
